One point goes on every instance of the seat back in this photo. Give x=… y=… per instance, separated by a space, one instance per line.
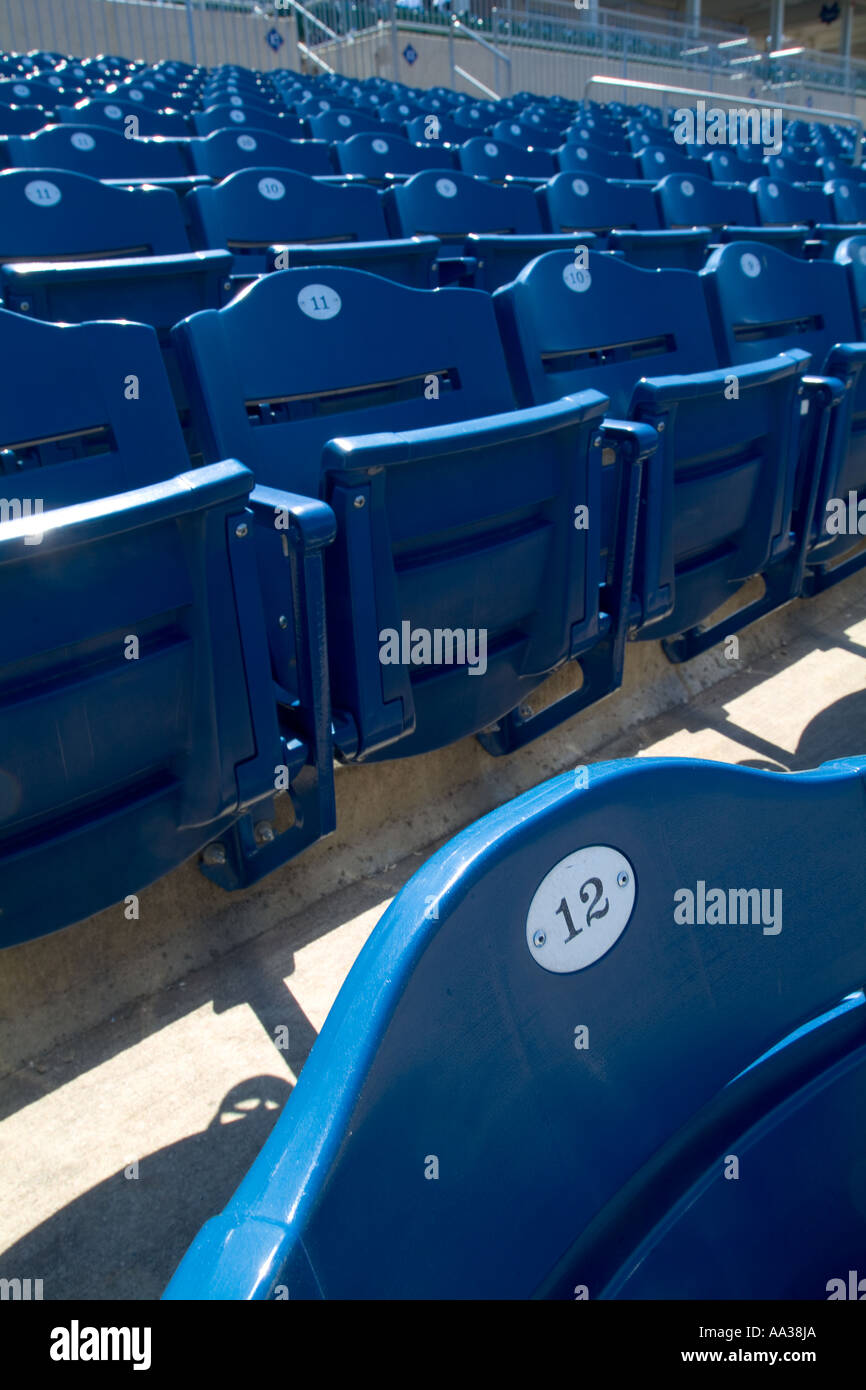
x=763 y=301
x=339 y=125
x=526 y=134
x=379 y=156
x=848 y=200
x=475 y=116
x=93 y=440
x=851 y=253
x=726 y=166
x=54 y=213
x=101 y=153
x=591 y=132
x=21 y=120
x=226 y=151
x=788 y=204
x=591 y=159
x=597 y=969
x=452 y=205
x=290 y=365
x=688 y=201
x=588 y=202
x=792 y=170
x=493 y=159
x=254 y=208
x=719 y=505
x=111 y=112
x=137 y=715
x=436 y=128
x=258 y=118
x=454 y=513
x=607 y=325
x=655 y=161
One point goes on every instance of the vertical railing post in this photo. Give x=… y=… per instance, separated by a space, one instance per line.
x=191 y=27
x=395 y=39
x=451 y=53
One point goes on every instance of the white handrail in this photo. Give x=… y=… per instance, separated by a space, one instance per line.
x=491 y=48
x=310 y=18
x=314 y=57
x=488 y=91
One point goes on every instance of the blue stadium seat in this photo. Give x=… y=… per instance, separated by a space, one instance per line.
x=143 y=93
x=272 y=218
x=380 y=158
x=729 y=210
x=226 y=151
x=455 y=513
x=726 y=166
x=255 y=118
x=847 y=199
x=789 y=203
x=400 y=110
x=101 y=153
x=140 y=718
x=546 y=1010
x=655 y=162
x=644 y=136
x=30 y=91
x=58 y=214
x=609 y=138
x=526 y=135
x=851 y=253
x=73 y=249
x=108 y=111
x=593 y=159
x=718 y=496
x=761 y=300
x=831 y=167
x=310 y=105
x=339 y=125
x=488 y=231
x=792 y=170
x=627 y=214
x=21 y=120
x=477 y=117
x=494 y=159
x=435 y=129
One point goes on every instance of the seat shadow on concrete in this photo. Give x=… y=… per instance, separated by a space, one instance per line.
x=256 y=973
x=124 y=1238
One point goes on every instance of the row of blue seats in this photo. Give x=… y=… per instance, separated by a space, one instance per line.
x=73 y=248
x=412 y=507
x=103 y=150
x=109 y=153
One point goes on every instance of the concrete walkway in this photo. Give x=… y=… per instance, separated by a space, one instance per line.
x=141 y=1061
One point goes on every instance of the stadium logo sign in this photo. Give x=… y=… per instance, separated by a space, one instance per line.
x=739 y=126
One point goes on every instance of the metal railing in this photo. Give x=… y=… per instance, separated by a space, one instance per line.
x=553 y=44
x=458 y=27
x=192 y=31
